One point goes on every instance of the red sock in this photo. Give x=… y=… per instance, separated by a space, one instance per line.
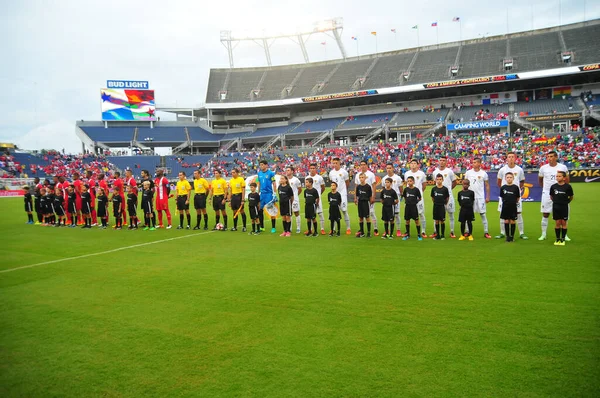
x=160 y=218
x=168 y=216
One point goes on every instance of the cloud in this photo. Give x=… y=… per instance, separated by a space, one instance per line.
x=56 y=134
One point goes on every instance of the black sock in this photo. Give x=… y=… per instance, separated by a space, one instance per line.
x=225 y=221
x=564 y=234
x=386 y=226
x=181 y=220
x=29 y=217
x=198 y=217
x=283 y=223
x=407 y=229
x=512 y=230
x=39 y=217
x=272 y=223
x=253 y=227
x=217 y=219
x=558 y=232
x=418 y=230
x=146 y=220
x=437 y=229
x=206 y=221
x=392 y=228
x=235 y=222
x=73 y=220
x=362 y=227
x=368 y=227
x=507 y=230
x=244 y=220
x=261 y=219
x=338 y=226
x=462 y=227
x=189 y=219
x=331 y=222
x=443 y=229
x=153 y=219
x=470 y=225
x=309 y=225
x=315 y=227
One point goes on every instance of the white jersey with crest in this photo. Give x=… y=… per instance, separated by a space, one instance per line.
x=449 y=177
x=295 y=184
x=370 y=178
x=517 y=172
x=396 y=183
x=477 y=180
x=548 y=174
x=420 y=179
x=340 y=177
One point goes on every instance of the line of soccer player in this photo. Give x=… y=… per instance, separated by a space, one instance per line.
x=88 y=202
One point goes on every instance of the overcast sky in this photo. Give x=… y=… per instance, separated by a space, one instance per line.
x=57 y=55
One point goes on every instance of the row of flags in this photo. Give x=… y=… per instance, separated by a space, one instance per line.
x=433 y=24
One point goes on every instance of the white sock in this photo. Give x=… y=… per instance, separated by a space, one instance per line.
x=322 y=220
x=397 y=219
x=501 y=227
x=520 y=224
x=373 y=218
x=298 y=222
x=544 y=226
x=347 y=219
x=484 y=221
x=451 y=217
x=423 y=222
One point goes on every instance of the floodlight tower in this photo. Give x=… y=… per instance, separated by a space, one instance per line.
x=331 y=27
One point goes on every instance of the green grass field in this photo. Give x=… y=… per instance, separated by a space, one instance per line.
x=228 y=314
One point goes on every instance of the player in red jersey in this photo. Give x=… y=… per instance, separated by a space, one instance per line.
x=65 y=192
x=161 y=185
x=77 y=184
x=130 y=182
x=104 y=185
x=118 y=183
x=91 y=183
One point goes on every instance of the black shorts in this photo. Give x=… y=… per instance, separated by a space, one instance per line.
x=72 y=208
x=116 y=211
x=439 y=212
x=253 y=212
x=132 y=209
x=387 y=213
x=411 y=212
x=200 y=201
x=86 y=208
x=560 y=212
x=59 y=211
x=509 y=211
x=28 y=207
x=285 y=208
x=218 y=203
x=466 y=214
x=147 y=207
x=310 y=212
x=101 y=212
x=236 y=201
x=364 y=209
x=334 y=213
x=181 y=205
x=36 y=205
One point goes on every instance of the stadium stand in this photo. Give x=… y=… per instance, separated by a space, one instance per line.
x=241 y=85
x=201 y=135
x=310 y=77
x=387 y=70
x=216 y=81
x=275 y=82
x=583 y=43
x=113 y=134
x=136 y=163
x=539 y=51
x=546 y=107
x=270 y=131
x=162 y=134
x=318 y=125
x=433 y=65
x=471 y=113
x=360 y=121
x=482 y=59
x=343 y=79
x=418 y=117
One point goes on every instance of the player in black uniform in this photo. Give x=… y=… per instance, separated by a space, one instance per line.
x=389 y=199
x=44 y=207
x=72 y=205
x=59 y=207
x=28 y=204
x=254 y=208
x=335 y=215
x=86 y=207
x=510 y=194
x=132 y=201
x=50 y=204
x=286 y=197
x=117 y=202
x=561 y=194
x=412 y=196
x=102 y=211
x=311 y=201
x=363 y=199
x=147 y=196
x=36 y=201
x=466 y=199
x=440 y=196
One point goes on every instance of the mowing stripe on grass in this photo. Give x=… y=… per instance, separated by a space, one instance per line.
x=104 y=252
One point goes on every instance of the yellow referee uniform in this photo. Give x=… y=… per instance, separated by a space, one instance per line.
x=200 y=189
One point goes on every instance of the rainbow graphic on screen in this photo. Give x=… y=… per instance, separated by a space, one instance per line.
x=128 y=104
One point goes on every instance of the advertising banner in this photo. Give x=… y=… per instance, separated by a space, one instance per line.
x=585 y=175
x=558 y=116
x=412 y=127
x=126 y=105
x=478 y=125
x=475 y=80
x=350 y=94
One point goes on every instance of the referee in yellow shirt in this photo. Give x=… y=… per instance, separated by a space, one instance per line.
x=237 y=187
x=201 y=188
x=218 y=191
x=184 y=190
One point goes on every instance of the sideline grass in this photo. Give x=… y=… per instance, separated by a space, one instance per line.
x=227 y=314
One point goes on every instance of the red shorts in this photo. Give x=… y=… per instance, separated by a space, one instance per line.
x=78 y=203
x=162 y=205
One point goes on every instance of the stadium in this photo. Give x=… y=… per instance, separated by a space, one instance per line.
x=215 y=313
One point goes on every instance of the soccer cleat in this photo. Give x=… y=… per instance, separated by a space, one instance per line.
x=205 y=228
x=390 y=237
x=562 y=243
x=298 y=230
x=524 y=237
x=288 y=234
x=376 y=232
x=420 y=238
x=398 y=234
x=146 y=228
x=434 y=235
x=323 y=232
x=307 y=234
x=331 y=234
x=443 y=237
x=224 y=229
x=470 y=237
x=118 y=228
x=487 y=236
x=130 y=227
x=152 y=229
x=94 y=224
x=103 y=227
x=159 y=226
x=423 y=234
x=452 y=235
x=543 y=237
x=273 y=230
x=368 y=235
x=557 y=243
x=196 y=228
x=406 y=237
x=567 y=239
x=348 y=232
x=501 y=236
x=233 y=229
x=244 y=229
x=179 y=227
x=338 y=234
x=262 y=229
x=283 y=234
x=384 y=236
x=188 y=227
x=462 y=237
x=38 y=223
x=315 y=234
x=359 y=235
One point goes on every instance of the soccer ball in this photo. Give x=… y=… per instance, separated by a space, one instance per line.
x=219 y=227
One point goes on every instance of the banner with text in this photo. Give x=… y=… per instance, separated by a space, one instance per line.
x=478 y=125
x=475 y=80
x=350 y=94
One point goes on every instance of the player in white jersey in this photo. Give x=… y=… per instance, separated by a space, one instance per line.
x=449 y=182
x=547 y=178
x=319 y=185
x=480 y=185
x=296 y=186
x=340 y=177
x=372 y=181
x=396 y=186
x=519 y=176
x=421 y=183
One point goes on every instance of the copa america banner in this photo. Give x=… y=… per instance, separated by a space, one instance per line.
x=478 y=125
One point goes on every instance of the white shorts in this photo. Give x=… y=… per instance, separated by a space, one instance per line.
x=344 y=205
x=397 y=208
x=519 y=206
x=320 y=206
x=479 y=206
x=450 y=205
x=372 y=210
x=546 y=204
x=421 y=207
x=296 y=206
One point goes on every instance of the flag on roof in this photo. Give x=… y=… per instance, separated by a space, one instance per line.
x=434 y=24
x=354 y=38
x=374 y=33
x=323 y=42
x=416 y=27
x=455 y=19
x=394 y=30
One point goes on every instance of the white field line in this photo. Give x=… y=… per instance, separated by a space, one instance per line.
x=101 y=253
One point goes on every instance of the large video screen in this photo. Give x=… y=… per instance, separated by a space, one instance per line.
x=128 y=104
